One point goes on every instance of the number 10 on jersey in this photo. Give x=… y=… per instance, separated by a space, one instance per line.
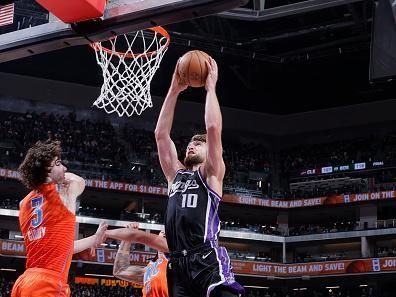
x=189 y=200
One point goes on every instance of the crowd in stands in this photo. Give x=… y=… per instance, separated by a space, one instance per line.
x=379 y=148
x=385 y=252
x=327 y=227
x=306 y=257
x=305 y=292
x=236 y=225
x=82 y=290
x=9 y=203
x=85 y=290
x=85 y=141
x=97 y=150
x=250 y=256
x=324 y=191
x=5 y=286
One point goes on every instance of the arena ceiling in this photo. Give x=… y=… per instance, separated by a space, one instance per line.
x=296 y=58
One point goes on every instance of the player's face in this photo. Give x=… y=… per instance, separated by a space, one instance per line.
x=57 y=171
x=195 y=153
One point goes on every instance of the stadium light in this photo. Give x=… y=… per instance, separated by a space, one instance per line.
x=7 y=269
x=256 y=287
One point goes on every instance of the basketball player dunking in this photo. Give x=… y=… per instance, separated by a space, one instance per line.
x=47 y=221
x=198 y=267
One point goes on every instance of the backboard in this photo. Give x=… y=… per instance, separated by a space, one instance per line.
x=121 y=16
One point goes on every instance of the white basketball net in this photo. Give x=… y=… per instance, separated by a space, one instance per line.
x=127 y=75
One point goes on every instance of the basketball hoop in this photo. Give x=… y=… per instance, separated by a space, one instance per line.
x=129 y=62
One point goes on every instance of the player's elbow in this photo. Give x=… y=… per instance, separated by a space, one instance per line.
x=160 y=134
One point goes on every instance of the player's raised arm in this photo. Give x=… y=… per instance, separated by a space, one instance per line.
x=214 y=168
x=166 y=148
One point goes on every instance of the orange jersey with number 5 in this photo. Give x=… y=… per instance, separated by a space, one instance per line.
x=48 y=229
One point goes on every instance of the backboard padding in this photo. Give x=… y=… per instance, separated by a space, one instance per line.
x=121 y=16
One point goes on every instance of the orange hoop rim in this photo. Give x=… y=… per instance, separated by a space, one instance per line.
x=98 y=47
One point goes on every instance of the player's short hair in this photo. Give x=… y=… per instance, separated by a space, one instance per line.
x=198 y=137
x=35 y=167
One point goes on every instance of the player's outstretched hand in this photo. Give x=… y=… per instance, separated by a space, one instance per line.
x=178 y=84
x=211 y=79
x=100 y=236
x=101 y=233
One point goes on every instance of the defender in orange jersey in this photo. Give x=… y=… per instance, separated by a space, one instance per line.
x=152 y=277
x=47 y=221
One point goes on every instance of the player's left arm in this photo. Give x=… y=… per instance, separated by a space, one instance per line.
x=91 y=242
x=214 y=168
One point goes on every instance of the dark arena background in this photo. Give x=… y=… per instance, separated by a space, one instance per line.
x=308 y=95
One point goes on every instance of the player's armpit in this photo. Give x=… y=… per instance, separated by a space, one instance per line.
x=75 y=185
x=214 y=165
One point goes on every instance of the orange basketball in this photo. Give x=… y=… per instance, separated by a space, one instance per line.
x=193 y=69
